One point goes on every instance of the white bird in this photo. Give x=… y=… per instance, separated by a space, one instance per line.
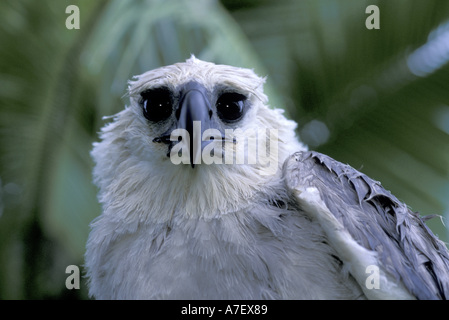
x=253 y=214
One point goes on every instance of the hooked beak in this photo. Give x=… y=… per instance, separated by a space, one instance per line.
x=195 y=116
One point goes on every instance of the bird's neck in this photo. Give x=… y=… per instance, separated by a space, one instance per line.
x=178 y=191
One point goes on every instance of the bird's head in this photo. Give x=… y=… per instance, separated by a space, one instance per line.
x=201 y=129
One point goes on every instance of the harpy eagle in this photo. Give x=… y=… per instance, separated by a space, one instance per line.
x=207 y=193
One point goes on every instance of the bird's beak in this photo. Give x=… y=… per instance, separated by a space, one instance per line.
x=195 y=116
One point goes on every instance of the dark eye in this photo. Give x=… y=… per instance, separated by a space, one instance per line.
x=157 y=104
x=230 y=106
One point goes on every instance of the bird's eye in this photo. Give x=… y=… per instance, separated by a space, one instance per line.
x=157 y=104
x=230 y=106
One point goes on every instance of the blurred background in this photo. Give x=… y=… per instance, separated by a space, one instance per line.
x=375 y=99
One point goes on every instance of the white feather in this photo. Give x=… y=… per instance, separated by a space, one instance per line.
x=355 y=257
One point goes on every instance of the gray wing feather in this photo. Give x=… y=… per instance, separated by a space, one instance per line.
x=378 y=221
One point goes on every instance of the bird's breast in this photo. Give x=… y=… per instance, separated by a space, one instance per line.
x=262 y=252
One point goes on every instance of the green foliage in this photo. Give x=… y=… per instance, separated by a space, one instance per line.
x=349 y=88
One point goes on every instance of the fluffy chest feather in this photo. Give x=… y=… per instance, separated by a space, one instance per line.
x=262 y=252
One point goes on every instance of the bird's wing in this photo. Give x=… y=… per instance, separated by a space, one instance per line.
x=369 y=228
